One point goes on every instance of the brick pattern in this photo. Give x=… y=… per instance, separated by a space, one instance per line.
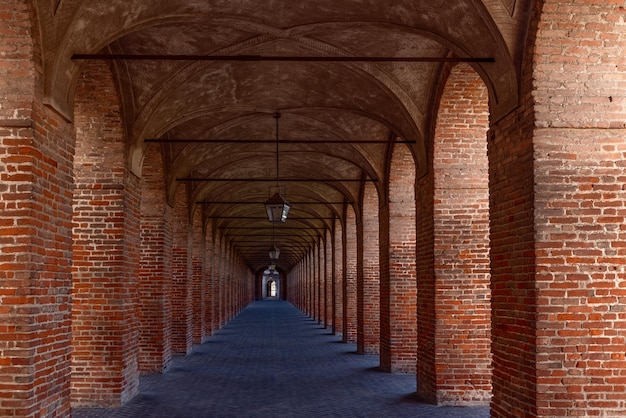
x=155 y=271
x=511 y=196
x=398 y=350
x=349 y=282
x=105 y=254
x=198 y=282
x=580 y=202
x=36 y=149
x=209 y=284
x=338 y=277
x=182 y=313
x=368 y=275
x=462 y=311
x=328 y=267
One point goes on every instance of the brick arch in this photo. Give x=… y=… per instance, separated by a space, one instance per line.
x=398 y=316
x=453 y=238
x=105 y=251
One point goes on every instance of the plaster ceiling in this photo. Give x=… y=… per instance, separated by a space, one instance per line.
x=321 y=102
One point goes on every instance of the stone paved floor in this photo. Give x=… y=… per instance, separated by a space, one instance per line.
x=274 y=361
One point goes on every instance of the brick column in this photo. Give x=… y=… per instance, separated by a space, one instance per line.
x=207 y=290
x=198 y=251
x=398 y=333
x=106 y=240
x=328 y=274
x=557 y=190
x=349 y=282
x=338 y=277
x=368 y=275
x=36 y=147
x=181 y=276
x=453 y=275
x=155 y=272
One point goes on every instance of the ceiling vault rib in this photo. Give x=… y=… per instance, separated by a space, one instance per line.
x=258 y=58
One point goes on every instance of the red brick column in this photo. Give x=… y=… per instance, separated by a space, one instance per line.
x=207 y=290
x=368 y=275
x=217 y=282
x=323 y=281
x=36 y=148
x=198 y=251
x=155 y=272
x=328 y=274
x=453 y=275
x=319 y=281
x=398 y=333
x=570 y=305
x=106 y=241
x=182 y=313
x=338 y=277
x=349 y=283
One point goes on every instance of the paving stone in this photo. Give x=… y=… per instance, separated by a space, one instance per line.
x=272 y=360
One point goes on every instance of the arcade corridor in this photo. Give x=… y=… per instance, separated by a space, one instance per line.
x=442 y=184
x=273 y=361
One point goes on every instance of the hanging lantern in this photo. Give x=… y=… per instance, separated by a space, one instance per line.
x=277 y=208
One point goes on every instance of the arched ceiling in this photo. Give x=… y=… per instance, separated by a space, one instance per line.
x=214 y=119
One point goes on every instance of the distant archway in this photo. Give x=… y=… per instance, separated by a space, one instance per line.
x=271 y=285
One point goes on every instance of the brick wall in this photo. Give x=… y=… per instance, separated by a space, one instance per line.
x=328 y=266
x=36 y=149
x=368 y=276
x=338 y=277
x=155 y=272
x=349 y=282
x=198 y=251
x=105 y=251
x=461 y=245
x=511 y=208
x=579 y=150
x=398 y=333
x=182 y=314
x=208 y=288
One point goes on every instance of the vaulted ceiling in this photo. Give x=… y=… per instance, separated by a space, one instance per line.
x=214 y=118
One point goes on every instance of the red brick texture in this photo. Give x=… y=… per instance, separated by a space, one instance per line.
x=368 y=275
x=105 y=252
x=198 y=279
x=398 y=317
x=338 y=279
x=329 y=273
x=349 y=282
x=454 y=366
x=579 y=148
x=182 y=281
x=36 y=149
x=513 y=296
x=209 y=282
x=155 y=272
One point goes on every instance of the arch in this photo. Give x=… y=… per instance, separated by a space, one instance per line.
x=454 y=307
